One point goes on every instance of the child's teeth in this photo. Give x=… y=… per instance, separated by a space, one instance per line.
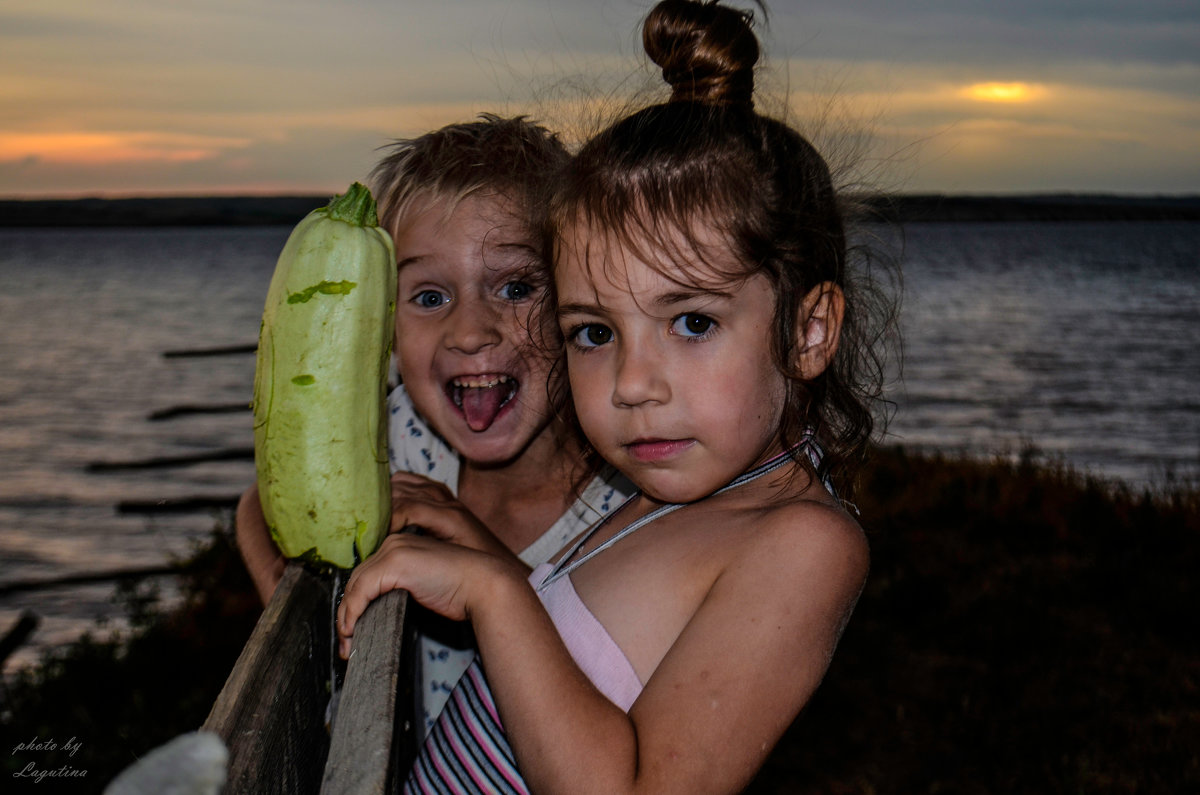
x=479 y=399
x=480 y=383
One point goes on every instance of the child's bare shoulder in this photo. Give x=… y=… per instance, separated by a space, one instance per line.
x=804 y=539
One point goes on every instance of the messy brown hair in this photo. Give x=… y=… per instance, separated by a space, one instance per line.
x=707 y=158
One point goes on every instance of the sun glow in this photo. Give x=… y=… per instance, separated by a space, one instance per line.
x=87 y=148
x=1003 y=92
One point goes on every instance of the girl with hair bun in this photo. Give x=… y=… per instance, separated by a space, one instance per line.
x=715 y=357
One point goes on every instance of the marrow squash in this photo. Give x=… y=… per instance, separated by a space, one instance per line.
x=320 y=383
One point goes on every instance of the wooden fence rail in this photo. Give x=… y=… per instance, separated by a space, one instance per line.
x=271 y=714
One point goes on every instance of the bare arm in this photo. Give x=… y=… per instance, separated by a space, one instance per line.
x=729 y=686
x=706 y=719
x=263 y=559
x=494 y=594
x=416 y=500
x=749 y=659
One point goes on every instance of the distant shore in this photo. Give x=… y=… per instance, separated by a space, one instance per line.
x=288 y=210
x=916 y=208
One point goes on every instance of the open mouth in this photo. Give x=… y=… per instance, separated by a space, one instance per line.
x=481 y=398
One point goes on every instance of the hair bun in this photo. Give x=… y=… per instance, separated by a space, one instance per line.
x=707 y=51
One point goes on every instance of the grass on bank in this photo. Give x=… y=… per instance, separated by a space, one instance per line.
x=121 y=697
x=1024 y=629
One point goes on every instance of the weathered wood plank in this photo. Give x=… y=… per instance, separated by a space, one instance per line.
x=373 y=737
x=271 y=712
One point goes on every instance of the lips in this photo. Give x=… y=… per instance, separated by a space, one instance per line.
x=657 y=449
x=482 y=397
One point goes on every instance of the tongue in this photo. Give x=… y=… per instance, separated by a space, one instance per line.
x=482 y=404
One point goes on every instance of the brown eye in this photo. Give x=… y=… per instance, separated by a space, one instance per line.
x=592 y=336
x=692 y=325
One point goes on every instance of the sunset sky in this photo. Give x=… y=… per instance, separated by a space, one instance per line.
x=142 y=97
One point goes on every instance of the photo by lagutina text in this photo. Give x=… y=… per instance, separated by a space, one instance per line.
x=44 y=759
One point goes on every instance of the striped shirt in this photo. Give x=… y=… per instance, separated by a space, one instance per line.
x=467 y=750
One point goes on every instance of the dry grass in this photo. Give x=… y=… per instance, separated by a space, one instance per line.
x=1024 y=629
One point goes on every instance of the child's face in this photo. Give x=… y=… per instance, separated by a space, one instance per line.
x=675 y=386
x=468 y=287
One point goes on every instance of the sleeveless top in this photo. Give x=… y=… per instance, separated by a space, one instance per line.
x=445 y=649
x=467 y=750
x=590 y=645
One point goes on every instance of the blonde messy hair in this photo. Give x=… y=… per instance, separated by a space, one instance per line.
x=512 y=157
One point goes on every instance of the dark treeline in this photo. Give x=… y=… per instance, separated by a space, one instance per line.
x=177 y=211
x=287 y=210
x=1042 y=207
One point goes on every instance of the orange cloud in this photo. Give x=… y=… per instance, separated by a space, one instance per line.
x=98 y=148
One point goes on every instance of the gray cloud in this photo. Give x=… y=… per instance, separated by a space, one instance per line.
x=974 y=31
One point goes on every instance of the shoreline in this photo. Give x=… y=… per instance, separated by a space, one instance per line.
x=1021 y=624
x=289 y=209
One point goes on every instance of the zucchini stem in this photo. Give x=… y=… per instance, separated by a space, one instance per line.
x=356 y=207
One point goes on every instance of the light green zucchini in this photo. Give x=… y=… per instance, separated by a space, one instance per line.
x=320 y=421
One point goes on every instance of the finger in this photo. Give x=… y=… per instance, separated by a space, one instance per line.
x=349 y=609
x=381 y=572
x=407 y=481
x=407 y=513
x=413 y=477
x=438 y=518
x=404 y=496
x=352 y=607
x=363 y=586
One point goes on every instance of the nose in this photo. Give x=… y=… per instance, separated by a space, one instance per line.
x=641 y=378
x=472 y=327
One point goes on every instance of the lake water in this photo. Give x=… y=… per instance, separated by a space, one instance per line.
x=1080 y=340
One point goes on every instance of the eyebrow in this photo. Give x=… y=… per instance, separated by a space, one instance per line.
x=664 y=300
x=520 y=247
x=578 y=309
x=682 y=296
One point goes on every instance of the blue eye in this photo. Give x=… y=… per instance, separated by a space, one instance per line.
x=592 y=335
x=431 y=299
x=517 y=291
x=692 y=325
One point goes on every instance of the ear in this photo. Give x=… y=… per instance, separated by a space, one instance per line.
x=818 y=327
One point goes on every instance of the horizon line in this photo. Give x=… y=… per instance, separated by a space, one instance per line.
x=309 y=193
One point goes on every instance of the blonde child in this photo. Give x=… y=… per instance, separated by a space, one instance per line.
x=714 y=355
x=474 y=415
